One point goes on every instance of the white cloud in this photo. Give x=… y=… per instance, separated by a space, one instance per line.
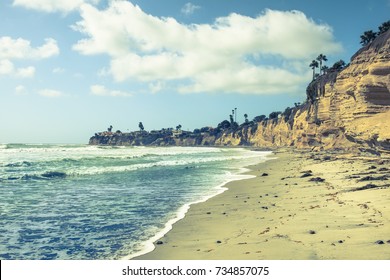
x=100 y=90
x=189 y=8
x=21 y=49
x=156 y=87
x=20 y=90
x=58 y=70
x=27 y=72
x=229 y=55
x=51 y=93
x=7 y=67
x=53 y=5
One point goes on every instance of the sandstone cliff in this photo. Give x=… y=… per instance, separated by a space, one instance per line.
x=344 y=110
x=347 y=109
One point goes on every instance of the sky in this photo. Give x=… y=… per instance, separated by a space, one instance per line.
x=71 y=68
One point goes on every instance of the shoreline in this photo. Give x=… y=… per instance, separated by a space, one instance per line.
x=280 y=214
x=242 y=174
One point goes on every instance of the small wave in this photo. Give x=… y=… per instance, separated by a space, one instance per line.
x=54 y=174
x=19 y=164
x=32 y=177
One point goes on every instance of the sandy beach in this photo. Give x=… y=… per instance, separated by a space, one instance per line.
x=301 y=206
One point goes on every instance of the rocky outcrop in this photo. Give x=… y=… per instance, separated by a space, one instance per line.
x=349 y=109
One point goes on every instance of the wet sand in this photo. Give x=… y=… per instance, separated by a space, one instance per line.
x=300 y=206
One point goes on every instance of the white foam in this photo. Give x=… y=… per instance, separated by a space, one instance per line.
x=149 y=246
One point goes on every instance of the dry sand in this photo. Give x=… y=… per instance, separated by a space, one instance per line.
x=283 y=215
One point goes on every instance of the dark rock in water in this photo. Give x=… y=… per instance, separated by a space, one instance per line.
x=306 y=175
x=312 y=231
x=327 y=158
x=159 y=242
x=372 y=167
x=264 y=174
x=379 y=242
x=388 y=241
x=54 y=174
x=219 y=241
x=317 y=179
x=341 y=241
x=307 y=171
x=383 y=169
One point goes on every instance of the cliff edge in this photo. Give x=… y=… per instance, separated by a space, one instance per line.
x=349 y=109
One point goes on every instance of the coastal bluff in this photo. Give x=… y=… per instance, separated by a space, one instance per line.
x=347 y=109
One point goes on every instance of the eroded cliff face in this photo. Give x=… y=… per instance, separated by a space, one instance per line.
x=344 y=110
x=348 y=109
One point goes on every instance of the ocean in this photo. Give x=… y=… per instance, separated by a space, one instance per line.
x=93 y=202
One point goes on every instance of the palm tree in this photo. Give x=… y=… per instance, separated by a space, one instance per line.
x=321 y=58
x=367 y=37
x=314 y=65
x=246 y=118
x=141 y=126
x=324 y=69
x=231 y=118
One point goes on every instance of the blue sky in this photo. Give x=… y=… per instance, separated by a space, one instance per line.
x=72 y=68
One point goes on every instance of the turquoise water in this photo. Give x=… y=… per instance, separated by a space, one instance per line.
x=90 y=202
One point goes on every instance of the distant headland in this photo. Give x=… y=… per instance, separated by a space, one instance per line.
x=347 y=107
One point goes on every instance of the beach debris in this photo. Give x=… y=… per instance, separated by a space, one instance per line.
x=159 y=242
x=372 y=178
x=265 y=231
x=369 y=186
x=353 y=177
x=341 y=241
x=264 y=174
x=312 y=231
x=388 y=241
x=379 y=242
x=317 y=179
x=219 y=241
x=208 y=213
